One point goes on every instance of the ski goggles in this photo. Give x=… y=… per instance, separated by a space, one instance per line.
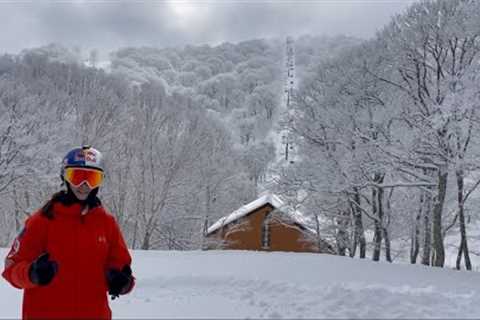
x=77 y=176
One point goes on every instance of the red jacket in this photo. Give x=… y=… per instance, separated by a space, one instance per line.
x=84 y=246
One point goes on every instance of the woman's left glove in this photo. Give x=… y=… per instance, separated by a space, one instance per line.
x=119 y=282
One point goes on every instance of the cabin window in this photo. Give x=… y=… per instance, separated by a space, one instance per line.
x=266 y=233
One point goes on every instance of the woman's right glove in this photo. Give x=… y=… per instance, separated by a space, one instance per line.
x=42 y=270
x=119 y=282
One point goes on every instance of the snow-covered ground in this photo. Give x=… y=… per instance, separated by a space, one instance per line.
x=241 y=284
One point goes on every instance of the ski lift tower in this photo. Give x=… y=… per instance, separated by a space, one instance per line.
x=283 y=136
x=290 y=83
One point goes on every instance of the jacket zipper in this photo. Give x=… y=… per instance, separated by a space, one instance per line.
x=76 y=274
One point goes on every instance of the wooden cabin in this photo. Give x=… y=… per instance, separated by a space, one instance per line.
x=266 y=225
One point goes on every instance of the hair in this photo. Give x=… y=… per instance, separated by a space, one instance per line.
x=66 y=197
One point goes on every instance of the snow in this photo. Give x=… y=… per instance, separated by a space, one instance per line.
x=267 y=198
x=242 y=284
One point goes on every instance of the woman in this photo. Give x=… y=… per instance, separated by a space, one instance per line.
x=71 y=252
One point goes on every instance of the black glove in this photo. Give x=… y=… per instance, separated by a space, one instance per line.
x=119 y=281
x=42 y=270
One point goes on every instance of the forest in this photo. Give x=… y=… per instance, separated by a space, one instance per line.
x=385 y=132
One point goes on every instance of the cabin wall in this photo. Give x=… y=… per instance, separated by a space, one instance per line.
x=285 y=237
x=246 y=234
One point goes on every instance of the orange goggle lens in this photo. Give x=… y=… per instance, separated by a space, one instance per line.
x=76 y=176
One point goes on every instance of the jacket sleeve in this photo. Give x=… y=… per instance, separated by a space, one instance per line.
x=27 y=246
x=118 y=255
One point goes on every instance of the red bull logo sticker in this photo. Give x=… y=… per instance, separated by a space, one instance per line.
x=90 y=156
x=9 y=262
x=16 y=246
x=86 y=155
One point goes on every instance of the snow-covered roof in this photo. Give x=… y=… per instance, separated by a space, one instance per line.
x=267 y=198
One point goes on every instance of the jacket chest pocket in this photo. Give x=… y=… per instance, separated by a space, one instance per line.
x=94 y=242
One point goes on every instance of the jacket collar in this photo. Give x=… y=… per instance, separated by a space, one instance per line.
x=73 y=210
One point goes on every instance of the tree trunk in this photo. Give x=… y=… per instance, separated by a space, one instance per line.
x=463 y=230
x=359 y=233
x=146 y=241
x=438 y=257
x=388 y=251
x=17 y=210
x=342 y=235
x=317 y=228
x=427 y=230
x=377 y=208
x=135 y=231
x=207 y=215
x=377 y=235
x=415 y=241
x=354 y=239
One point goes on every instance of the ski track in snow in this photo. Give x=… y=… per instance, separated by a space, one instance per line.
x=232 y=298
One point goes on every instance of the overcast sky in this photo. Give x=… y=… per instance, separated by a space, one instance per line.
x=108 y=25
